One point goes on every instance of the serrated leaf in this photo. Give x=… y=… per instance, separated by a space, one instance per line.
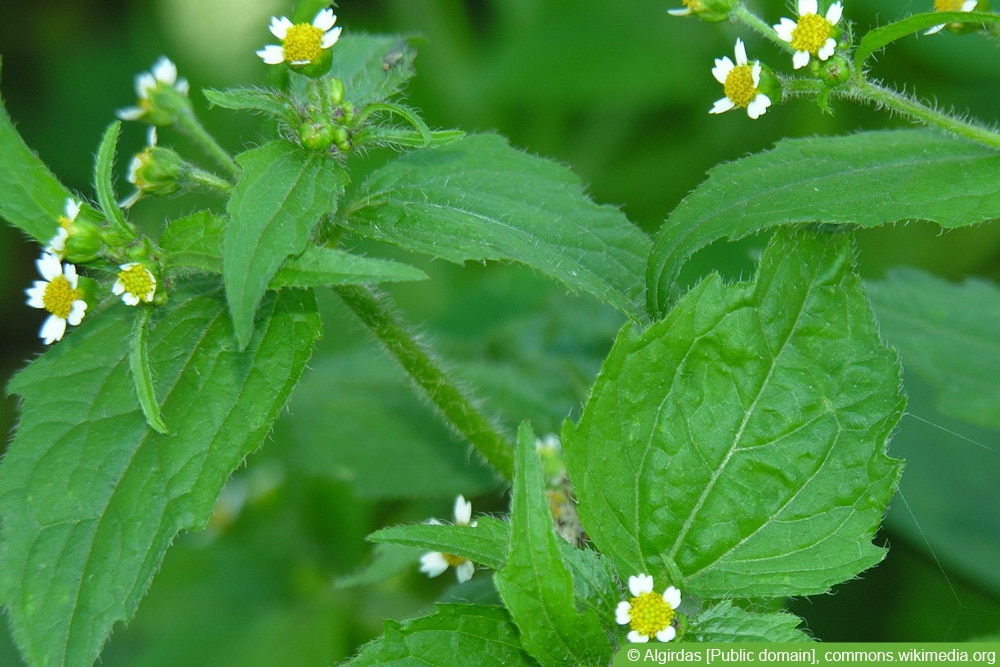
x=479 y=199
x=455 y=634
x=865 y=179
x=485 y=544
x=535 y=584
x=321 y=267
x=739 y=444
x=948 y=334
x=279 y=198
x=91 y=497
x=33 y=198
x=104 y=164
x=726 y=623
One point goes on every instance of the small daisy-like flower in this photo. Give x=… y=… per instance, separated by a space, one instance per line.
x=301 y=43
x=435 y=563
x=812 y=34
x=951 y=6
x=741 y=82
x=57 y=246
x=135 y=284
x=57 y=294
x=164 y=73
x=648 y=614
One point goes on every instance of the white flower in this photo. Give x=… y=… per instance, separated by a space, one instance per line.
x=435 y=563
x=648 y=614
x=57 y=246
x=301 y=43
x=138 y=161
x=740 y=82
x=164 y=73
x=135 y=283
x=812 y=34
x=57 y=294
x=951 y=6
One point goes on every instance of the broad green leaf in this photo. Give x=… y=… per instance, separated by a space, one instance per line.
x=950 y=335
x=595 y=582
x=455 y=634
x=535 y=584
x=738 y=446
x=485 y=544
x=726 y=623
x=479 y=199
x=865 y=179
x=91 y=497
x=916 y=23
x=372 y=68
x=377 y=434
x=33 y=198
x=281 y=194
x=320 y=267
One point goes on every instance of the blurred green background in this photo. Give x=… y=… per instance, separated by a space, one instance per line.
x=618 y=91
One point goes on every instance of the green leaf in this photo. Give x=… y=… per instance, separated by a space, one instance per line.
x=479 y=199
x=33 y=199
x=195 y=242
x=277 y=201
x=320 y=267
x=373 y=68
x=737 y=447
x=884 y=35
x=91 y=497
x=142 y=374
x=264 y=100
x=104 y=175
x=485 y=544
x=388 y=560
x=726 y=623
x=865 y=179
x=455 y=634
x=535 y=584
x=948 y=335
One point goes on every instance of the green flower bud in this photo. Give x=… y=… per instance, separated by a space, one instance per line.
x=317 y=135
x=342 y=139
x=711 y=11
x=834 y=71
x=84 y=243
x=334 y=91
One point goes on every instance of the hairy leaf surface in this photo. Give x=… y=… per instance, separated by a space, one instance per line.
x=282 y=193
x=738 y=446
x=865 y=179
x=479 y=199
x=91 y=497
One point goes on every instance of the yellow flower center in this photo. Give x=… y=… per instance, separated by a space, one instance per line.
x=137 y=281
x=739 y=86
x=948 y=5
x=303 y=42
x=693 y=5
x=453 y=561
x=64 y=222
x=811 y=33
x=650 y=614
x=59 y=297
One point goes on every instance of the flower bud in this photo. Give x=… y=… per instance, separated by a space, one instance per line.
x=84 y=243
x=711 y=11
x=834 y=71
x=316 y=135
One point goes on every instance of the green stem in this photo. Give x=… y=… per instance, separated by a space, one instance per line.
x=375 y=311
x=903 y=105
x=207 y=180
x=740 y=14
x=189 y=124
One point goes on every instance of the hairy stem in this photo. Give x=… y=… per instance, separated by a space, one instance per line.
x=914 y=110
x=375 y=311
x=741 y=15
x=189 y=124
